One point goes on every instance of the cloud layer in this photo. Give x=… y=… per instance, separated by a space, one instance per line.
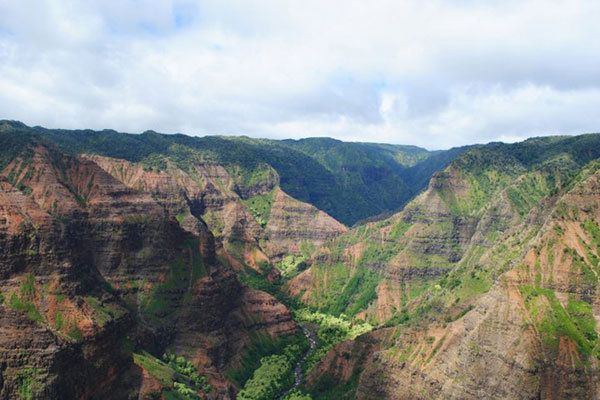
x=433 y=73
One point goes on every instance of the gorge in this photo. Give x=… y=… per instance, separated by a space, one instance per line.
x=154 y=266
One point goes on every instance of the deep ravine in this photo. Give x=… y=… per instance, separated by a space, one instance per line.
x=311 y=335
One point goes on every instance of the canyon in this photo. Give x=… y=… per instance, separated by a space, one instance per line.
x=172 y=267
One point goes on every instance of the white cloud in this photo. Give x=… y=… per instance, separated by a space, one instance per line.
x=434 y=73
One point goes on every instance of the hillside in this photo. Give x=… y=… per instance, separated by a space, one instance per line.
x=349 y=181
x=485 y=283
x=98 y=281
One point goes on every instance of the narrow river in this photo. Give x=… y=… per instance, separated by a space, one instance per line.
x=311 y=335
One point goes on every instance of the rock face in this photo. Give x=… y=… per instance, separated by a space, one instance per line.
x=293 y=224
x=206 y=191
x=91 y=267
x=514 y=315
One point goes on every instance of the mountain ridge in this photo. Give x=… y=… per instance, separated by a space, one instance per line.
x=305 y=173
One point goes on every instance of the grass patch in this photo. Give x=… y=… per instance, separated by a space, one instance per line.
x=260 y=207
x=577 y=322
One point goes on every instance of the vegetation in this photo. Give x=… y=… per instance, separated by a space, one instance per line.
x=576 y=322
x=264 y=346
x=350 y=181
x=185 y=367
x=332 y=330
x=291 y=266
x=260 y=207
x=273 y=377
x=24 y=300
x=159 y=305
x=485 y=189
x=329 y=387
x=347 y=291
x=27 y=382
x=178 y=376
x=297 y=395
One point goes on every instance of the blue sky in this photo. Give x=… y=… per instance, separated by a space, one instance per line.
x=431 y=73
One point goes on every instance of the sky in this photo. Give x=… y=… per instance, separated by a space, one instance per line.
x=432 y=73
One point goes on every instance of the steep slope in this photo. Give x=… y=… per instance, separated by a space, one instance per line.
x=93 y=269
x=264 y=228
x=293 y=226
x=349 y=181
x=493 y=296
x=485 y=193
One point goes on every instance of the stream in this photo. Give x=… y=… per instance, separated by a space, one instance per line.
x=311 y=335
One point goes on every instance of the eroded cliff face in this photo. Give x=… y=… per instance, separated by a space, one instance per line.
x=92 y=268
x=253 y=223
x=454 y=224
x=515 y=317
x=61 y=327
x=293 y=225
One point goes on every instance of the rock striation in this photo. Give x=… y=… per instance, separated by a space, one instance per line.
x=92 y=268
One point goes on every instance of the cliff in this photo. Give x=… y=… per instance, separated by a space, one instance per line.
x=505 y=306
x=93 y=269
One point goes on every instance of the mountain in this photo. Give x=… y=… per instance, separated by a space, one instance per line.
x=484 y=286
x=171 y=267
x=98 y=280
x=349 y=181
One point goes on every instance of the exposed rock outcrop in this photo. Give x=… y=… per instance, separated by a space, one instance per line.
x=92 y=267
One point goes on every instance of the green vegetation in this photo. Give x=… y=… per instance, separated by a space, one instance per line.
x=329 y=387
x=262 y=346
x=154 y=162
x=257 y=281
x=358 y=293
x=350 y=181
x=260 y=207
x=249 y=176
x=291 y=266
x=104 y=312
x=27 y=382
x=155 y=367
x=185 y=367
x=593 y=230
x=297 y=395
x=332 y=330
x=178 y=376
x=14 y=139
x=75 y=333
x=346 y=292
x=181 y=217
x=576 y=322
x=24 y=300
x=159 y=306
x=273 y=377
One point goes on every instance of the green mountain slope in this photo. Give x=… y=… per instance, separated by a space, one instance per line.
x=487 y=279
x=349 y=181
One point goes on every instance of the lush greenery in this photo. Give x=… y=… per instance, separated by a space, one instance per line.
x=350 y=181
x=274 y=375
x=553 y=321
x=178 y=377
x=291 y=266
x=262 y=346
x=260 y=207
x=186 y=368
x=297 y=395
x=332 y=330
x=158 y=306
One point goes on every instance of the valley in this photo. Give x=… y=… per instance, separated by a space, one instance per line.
x=151 y=266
